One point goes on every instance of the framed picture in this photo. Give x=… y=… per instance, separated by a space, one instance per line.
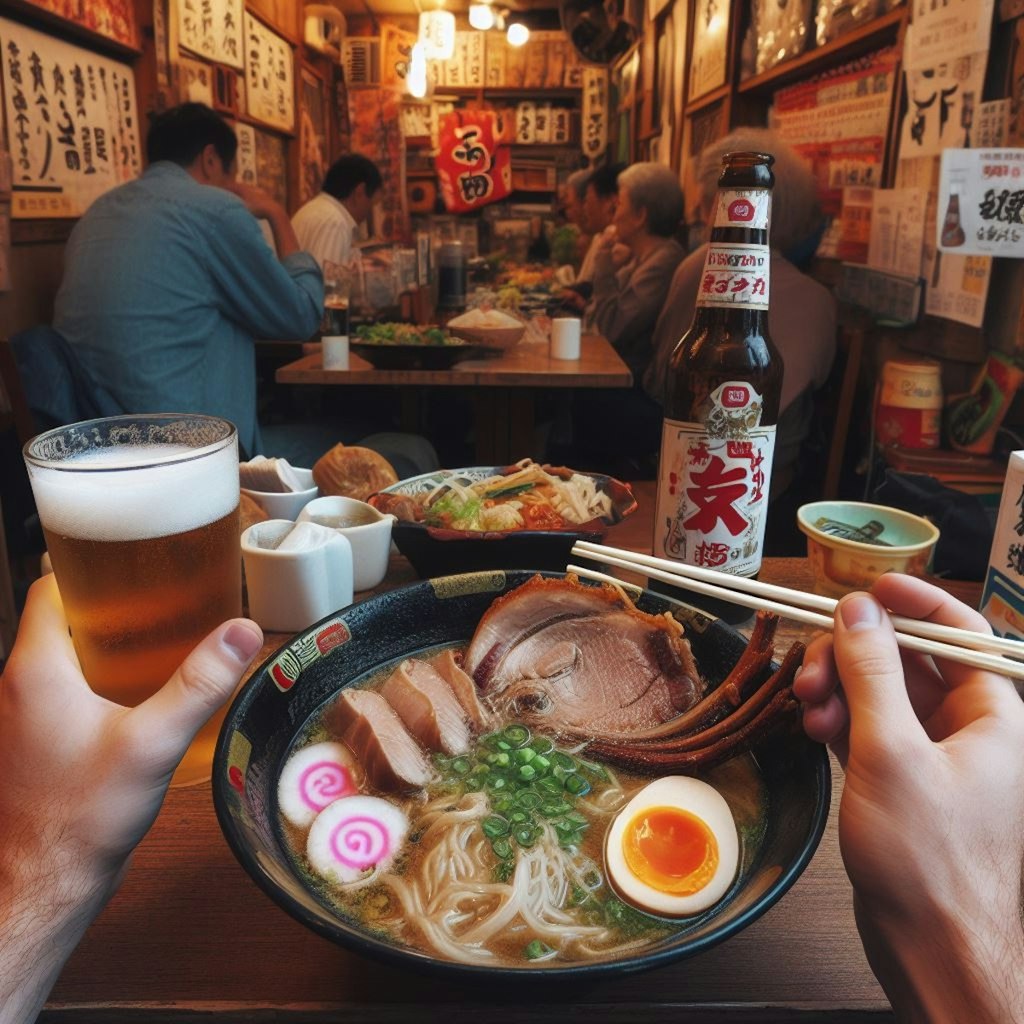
x=271 y=164
x=710 y=56
x=312 y=134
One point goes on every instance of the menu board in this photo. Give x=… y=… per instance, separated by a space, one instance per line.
x=269 y=76
x=72 y=128
x=211 y=28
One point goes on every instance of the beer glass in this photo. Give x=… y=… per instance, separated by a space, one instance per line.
x=140 y=515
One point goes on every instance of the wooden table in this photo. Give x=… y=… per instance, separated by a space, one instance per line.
x=189 y=937
x=502 y=388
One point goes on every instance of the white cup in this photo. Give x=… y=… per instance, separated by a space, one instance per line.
x=366 y=529
x=565 y=337
x=287 y=504
x=291 y=588
x=334 y=352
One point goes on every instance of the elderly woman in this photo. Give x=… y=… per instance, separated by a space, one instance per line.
x=802 y=313
x=634 y=263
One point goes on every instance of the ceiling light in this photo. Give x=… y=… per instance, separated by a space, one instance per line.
x=517 y=34
x=481 y=16
x=437 y=34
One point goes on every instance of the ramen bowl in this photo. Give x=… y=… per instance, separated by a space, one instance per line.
x=285 y=696
x=437 y=551
x=851 y=543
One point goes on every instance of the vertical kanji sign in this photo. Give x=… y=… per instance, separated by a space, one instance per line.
x=472 y=168
x=72 y=127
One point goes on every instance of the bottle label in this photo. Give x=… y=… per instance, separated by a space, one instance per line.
x=735 y=276
x=713 y=484
x=743 y=208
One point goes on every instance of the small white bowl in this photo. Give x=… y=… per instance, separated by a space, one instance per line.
x=367 y=531
x=289 y=504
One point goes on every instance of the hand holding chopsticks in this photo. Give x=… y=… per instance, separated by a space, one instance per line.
x=976 y=649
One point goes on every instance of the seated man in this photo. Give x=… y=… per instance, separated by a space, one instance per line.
x=168 y=279
x=324 y=225
x=802 y=313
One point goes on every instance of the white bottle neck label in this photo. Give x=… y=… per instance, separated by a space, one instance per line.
x=743 y=208
x=713 y=483
x=736 y=274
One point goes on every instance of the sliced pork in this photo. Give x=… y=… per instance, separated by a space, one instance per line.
x=568 y=657
x=428 y=708
x=462 y=686
x=370 y=728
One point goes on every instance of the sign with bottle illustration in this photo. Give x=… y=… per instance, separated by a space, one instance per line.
x=981 y=202
x=736 y=275
x=713 y=488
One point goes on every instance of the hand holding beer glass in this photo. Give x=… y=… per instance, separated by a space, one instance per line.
x=140 y=515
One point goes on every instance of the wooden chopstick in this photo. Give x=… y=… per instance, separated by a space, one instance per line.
x=816 y=602
x=922 y=645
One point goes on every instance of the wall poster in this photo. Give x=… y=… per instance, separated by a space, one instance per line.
x=710 y=56
x=211 y=29
x=312 y=135
x=269 y=76
x=72 y=127
x=271 y=165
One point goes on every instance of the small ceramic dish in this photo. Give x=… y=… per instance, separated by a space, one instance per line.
x=367 y=530
x=289 y=504
x=436 y=551
x=492 y=337
x=851 y=543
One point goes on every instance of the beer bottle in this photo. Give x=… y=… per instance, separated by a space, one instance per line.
x=722 y=394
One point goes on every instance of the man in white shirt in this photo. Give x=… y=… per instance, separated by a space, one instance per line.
x=325 y=224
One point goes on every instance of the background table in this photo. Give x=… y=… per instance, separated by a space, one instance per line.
x=190 y=938
x=502 y=387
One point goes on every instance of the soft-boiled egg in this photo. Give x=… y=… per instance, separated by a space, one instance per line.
x=673 y=850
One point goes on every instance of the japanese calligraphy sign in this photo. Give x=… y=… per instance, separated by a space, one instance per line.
x=712 y=502
x=269 y=76
x=71 y=122
x=595 y=112
x=1002 y=600
x=472 y=169
x=246 y=134
x=212 y=29
x=981 y=202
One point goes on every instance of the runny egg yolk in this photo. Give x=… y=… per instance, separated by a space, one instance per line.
x=670 y=850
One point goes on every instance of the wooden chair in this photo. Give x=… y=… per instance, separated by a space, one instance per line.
x=16 y=419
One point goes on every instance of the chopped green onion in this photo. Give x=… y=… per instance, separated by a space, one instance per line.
x=542 y=744
x=441 y=761
x=549 y=787
x=495 y=827
x=502 y=803
x=501 y=760
x=524 y=755
x=481 y=769
x=526 y=836
x=518 y=817
x=527 y=772
x=536 y=950
x=496 y=782
x=504 y=870
x=579 y=820
x=577 y=785
x=502 y=847
x=541 y=764
x=461 y=765
x=563 y=761
x=527 y=799
x=491 y=740
x=507 y=492
x=504 y=746
x=517 y=735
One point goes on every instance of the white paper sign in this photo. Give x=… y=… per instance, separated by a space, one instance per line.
x=595 y=112
x=981 y=202
x=246 y=135
x=211 y=28
x=269 y=81
x=942 y=32
x=941 y=102
x=897 y=230
x=72 y=127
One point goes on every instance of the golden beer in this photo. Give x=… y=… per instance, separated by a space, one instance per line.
x=144 y=542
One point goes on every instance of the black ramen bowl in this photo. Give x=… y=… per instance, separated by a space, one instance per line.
x=292 y=686
x=436 y=551
x=420 y=357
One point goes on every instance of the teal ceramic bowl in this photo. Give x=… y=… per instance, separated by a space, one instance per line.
x=288 y=690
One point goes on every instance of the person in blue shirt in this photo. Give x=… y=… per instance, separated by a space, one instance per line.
x=168 y=279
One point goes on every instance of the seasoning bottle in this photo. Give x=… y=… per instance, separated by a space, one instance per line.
x=952 y=229
x=723 y=389
x=451 y=277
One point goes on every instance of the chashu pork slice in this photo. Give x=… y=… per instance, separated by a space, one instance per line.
x=369 y=727
x=580 y=659
x=427 y=706
x=462 y=686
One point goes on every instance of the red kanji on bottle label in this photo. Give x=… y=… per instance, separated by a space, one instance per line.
x=713 y=499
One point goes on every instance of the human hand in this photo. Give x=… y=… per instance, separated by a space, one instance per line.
x=81 y=781
x=931 y=821
x=572 y=299
x=258 y=202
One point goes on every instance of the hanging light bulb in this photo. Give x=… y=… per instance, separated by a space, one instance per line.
x=416 y=79
x=481 y=16
x=517 y=34
x=437 y=34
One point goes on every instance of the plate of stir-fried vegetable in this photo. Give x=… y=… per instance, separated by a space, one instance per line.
x=398 y=346
x=485 y=517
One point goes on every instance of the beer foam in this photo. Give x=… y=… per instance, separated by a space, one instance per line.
x=111 y=503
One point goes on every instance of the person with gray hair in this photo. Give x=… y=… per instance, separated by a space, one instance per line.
x=635 y=262
x=802 y=314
